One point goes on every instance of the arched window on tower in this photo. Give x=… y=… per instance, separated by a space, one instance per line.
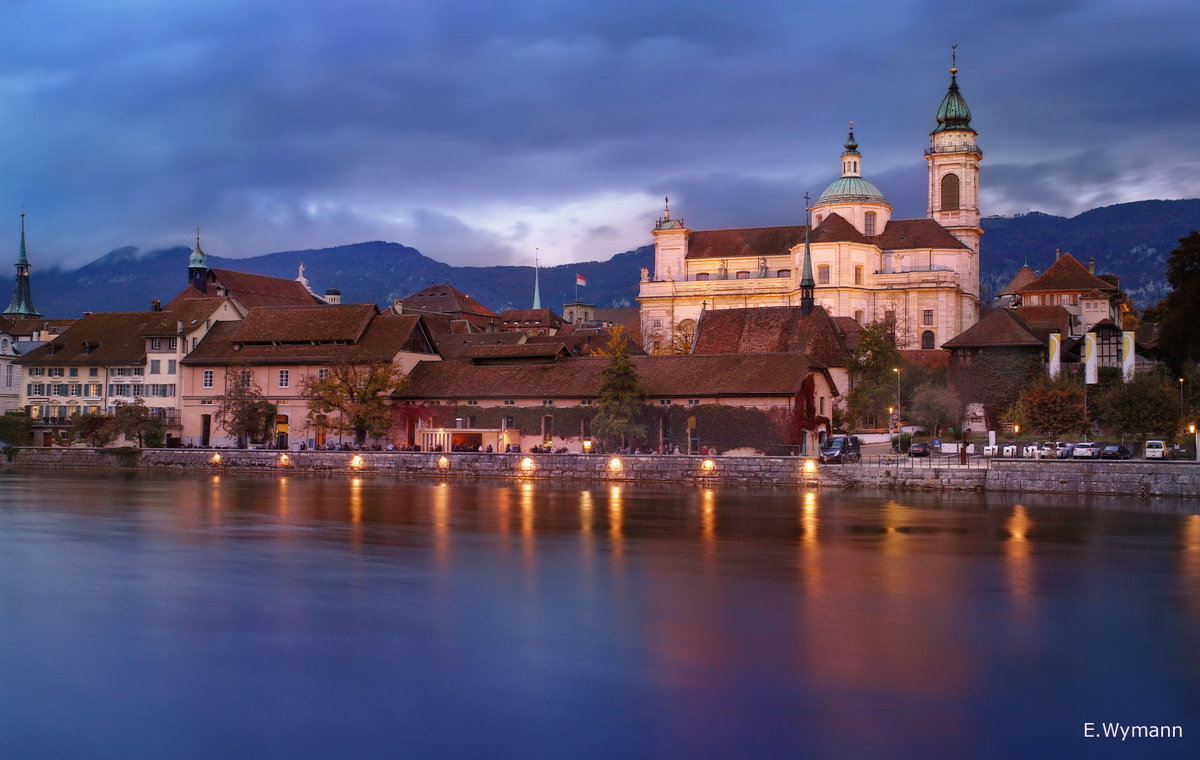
x=869 y=224
x=927 y=339
x=950 y=192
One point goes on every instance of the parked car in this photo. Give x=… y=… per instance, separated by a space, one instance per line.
x=919 y=449
x=1085 y=450
x=1114 y=451
x=1179 y=452
x=841 y=448
x=1054 y=450
x=1156 y=450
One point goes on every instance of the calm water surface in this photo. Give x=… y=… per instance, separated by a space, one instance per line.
x=225 y=616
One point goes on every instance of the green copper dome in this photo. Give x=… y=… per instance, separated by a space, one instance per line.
x=851 y=190
x=953 y=114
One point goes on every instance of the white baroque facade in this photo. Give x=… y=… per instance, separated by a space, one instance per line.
x=922 y=274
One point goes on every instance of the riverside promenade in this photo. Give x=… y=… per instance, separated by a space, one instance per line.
x=1135 y=479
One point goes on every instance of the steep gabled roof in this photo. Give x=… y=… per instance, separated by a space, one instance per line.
x=530 y=317
x=1067 y=274
x=1023 y=277
x=771 y=329
x=835 y=229
x=445 y=299
x=904 y=234
x=190 y=311
x=250 y=290
x=997 y=328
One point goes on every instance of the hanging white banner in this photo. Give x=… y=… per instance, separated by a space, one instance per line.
x=1055 y=355
x=1128 y=357
x=1091 y=373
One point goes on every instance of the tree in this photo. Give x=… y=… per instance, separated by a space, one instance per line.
x=1179 y=313
x=996 y=378
x=129 y=419
x=872 y=366
x=1053 y=408
x=352 y=397
x=93 y=428
x=1145 y=407
x=621 y=394
x=934 y=406
x=682 y=337
x=242 y=411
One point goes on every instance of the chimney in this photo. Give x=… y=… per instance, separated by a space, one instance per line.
x=1092 y=265
x=155 y=305
x=398 y=306
x=1057 y=254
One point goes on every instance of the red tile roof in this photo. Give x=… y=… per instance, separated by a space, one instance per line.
x=250 y=290
x=1067 y=274
x=385 y=336
x=998 y=327
x=104 y=338
x=530 y=318
x=1023 y=277
x=1046 y=318
x=446 y=299
x=305 y=324
x=715 y=376
x=754 y=241
x=904 y=234
x=771 y=329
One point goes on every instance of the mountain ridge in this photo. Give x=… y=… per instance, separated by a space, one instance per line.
x=1131 y=240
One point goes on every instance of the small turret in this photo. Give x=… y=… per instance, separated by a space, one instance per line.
x=198 y=267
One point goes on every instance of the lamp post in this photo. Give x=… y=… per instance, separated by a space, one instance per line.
x=1181 y=397
x=897 y=371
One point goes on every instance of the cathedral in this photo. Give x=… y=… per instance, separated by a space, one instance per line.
x=921 y=275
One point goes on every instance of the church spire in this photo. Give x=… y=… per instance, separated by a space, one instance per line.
x=953 y=114
x=198 y=266
x=537 y=293
x=22 y=300
x=807 y=284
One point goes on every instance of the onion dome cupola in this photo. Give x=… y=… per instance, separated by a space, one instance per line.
x=953 y=115
x=851 y=187
x=197 y=265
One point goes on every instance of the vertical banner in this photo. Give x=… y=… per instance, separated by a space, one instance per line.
x=1055 y=355
x=1091 y=374
x=1127 y=355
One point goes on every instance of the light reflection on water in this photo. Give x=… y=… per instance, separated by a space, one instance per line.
x=220 y=615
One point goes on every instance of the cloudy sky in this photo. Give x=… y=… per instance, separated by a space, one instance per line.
x=481 y=130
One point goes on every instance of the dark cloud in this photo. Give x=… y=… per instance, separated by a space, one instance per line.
x=479 y=136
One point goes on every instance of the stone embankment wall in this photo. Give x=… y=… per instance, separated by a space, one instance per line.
x=1109 y=478
x=751 y=470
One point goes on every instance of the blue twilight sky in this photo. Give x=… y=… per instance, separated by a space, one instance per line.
x=480 y=131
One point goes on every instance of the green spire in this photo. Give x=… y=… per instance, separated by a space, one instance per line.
x=851 y=145
x=197 y=260
x=21 y=306
x=953 y=114
x=807 y=284
x=537 y=292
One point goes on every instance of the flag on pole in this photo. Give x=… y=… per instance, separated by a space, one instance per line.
x=580 y=280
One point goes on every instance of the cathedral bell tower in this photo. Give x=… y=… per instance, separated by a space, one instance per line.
x=198 y=267
x=953 y=159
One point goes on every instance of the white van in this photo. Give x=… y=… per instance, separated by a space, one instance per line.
x=1156 y=450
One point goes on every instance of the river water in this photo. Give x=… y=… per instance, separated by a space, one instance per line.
x=146 y=616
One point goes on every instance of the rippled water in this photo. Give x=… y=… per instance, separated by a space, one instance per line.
x=221 y=616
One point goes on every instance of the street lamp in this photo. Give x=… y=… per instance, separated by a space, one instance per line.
x=1181 y=397
x=897 y=371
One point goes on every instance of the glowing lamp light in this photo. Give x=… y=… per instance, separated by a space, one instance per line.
x=1192 y=428
x=587 y=447
x=443 y=463
x=708 y=465
x=527 y=464
x=215 y=458
x=356 y=462
x=810 y=465
x=614 y=464
x=284 y=460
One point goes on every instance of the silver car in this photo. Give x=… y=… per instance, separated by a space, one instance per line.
x=1085 y=450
